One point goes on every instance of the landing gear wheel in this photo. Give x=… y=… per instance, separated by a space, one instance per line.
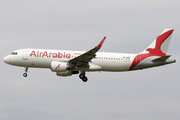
x=26 y=70
x=85 y=79
x=81 y=76
x=25 y=74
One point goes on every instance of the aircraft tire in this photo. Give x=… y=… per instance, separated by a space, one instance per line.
x=81 y=76
x=84 y=79
x=25 y=74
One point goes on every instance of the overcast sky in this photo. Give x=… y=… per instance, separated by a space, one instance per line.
x=130 y=26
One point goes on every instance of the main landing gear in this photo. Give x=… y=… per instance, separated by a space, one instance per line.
x=83 y=77
x=26 y=70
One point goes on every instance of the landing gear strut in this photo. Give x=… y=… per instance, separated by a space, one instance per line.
x=26 y=70
x=83 y=77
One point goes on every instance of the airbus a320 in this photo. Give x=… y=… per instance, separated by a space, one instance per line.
x=67 y=62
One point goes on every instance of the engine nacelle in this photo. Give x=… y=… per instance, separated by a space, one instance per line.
x=59 y=66
x=65 y=73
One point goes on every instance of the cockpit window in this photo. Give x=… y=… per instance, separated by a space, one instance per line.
x=14 y=53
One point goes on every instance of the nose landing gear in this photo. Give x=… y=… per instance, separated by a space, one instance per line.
x=26 y=70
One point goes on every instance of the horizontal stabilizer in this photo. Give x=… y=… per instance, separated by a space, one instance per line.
x=164 y=58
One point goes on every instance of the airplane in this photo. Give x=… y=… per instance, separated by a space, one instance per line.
x=67 y=63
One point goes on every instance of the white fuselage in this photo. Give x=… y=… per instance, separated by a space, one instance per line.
x=67 y=63
x=42 y=58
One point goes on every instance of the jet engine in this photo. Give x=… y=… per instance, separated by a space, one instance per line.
x=67 y=73
x=58 y=66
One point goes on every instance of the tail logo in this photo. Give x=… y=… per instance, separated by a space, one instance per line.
x=160 y=39
x=153 y=51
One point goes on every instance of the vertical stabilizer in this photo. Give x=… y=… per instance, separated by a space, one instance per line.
x=160 y=45
x=158 y=48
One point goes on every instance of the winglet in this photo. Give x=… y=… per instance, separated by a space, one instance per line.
x=101 y=43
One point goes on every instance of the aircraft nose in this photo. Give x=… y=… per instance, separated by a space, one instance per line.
x=6 y=59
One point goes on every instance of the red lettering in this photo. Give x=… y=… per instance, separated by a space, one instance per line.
x=37 y=53
x=50 y=54
x=54 y=55
x=77 y=53
x=60 y=55
x=68 y=56
x=40 y=54
x=33 y=53
x=45 y=54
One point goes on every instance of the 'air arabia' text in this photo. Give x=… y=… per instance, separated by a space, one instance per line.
x=54 y=55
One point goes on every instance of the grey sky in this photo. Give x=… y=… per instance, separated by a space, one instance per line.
x=130 y=26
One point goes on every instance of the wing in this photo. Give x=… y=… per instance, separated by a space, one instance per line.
x=87 y=56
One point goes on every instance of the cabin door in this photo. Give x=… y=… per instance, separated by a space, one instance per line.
x=25 y=55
